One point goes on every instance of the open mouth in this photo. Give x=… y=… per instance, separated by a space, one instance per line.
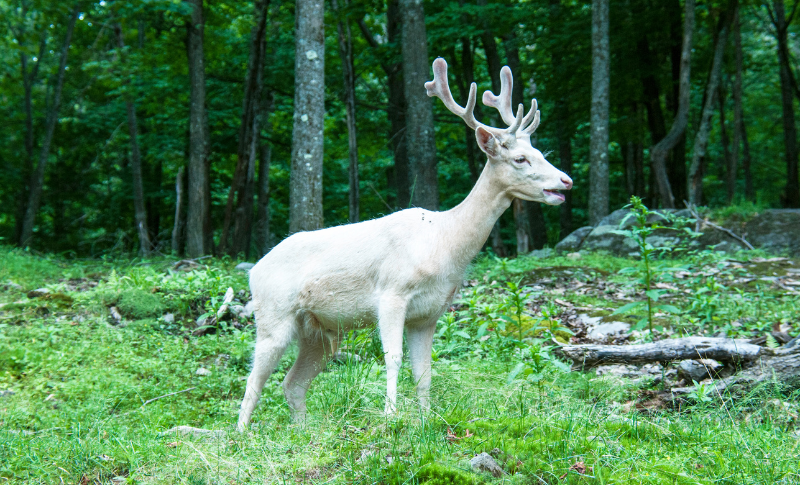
x=555 y=193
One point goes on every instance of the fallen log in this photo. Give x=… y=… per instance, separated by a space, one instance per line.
x=780 y=365
x=721 y=349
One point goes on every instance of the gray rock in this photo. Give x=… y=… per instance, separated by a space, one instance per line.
x=589 y=321
x=618 y=370
x=169 y=318
x=246 y=267
x=697 y=370
x=7 y=393
x=485 y=463
x=775 y=230
x=541 y=253
x=202 y=372
x=615 y=218
x=574 y=256
x=12 y=286
x=38 y=293
x=605 y=330
x=573 y=242
x=344 y=357
x=202 y=320
x=603 y=238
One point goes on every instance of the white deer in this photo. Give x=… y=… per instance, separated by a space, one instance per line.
x=401 y=270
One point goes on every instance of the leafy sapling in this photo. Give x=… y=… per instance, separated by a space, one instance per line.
x=640 y=231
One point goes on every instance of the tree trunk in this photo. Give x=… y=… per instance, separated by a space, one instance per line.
x=346 y=55
x=468 y=77
x=730 y=168
x=140 y=214
x=262 y=235
x=739 y=132
x=791 y=195
x=565 y=156
x=658 y=154
x=420 y=136
x=722 y=349
x=305 y=191
x=242 y=185
x=598 y=171
x=398 y=176
x=676 y=168
x=180 y=218
x=198 y=194
x=253 y=115
x=524 y=243
x=37 y=178
x=28 y=81
x=701 y=139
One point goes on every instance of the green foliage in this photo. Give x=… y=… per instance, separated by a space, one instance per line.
x=137 y=304
x=647 y=223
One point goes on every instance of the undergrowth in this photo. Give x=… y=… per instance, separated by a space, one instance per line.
x=86 y=399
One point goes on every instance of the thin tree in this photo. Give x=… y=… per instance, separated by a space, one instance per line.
x=261 y=230
x=37 y=178
x=396 y=106
x=420 y=135
x=739 y=130
x=781 y=22
x=29 y=79
x=198 y=227
x=730 y=168
x=598 y=170
x=659 y=152
x=696 y=169
x=140 y=213
x=305 y=190
x=346 y=54
x=242 y=190
x=180 y=213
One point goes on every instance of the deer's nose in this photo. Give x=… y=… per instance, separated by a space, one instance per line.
x=567 y=182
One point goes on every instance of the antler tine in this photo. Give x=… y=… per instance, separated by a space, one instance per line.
x=528 y=124
x=440 y=88
x=502 y=103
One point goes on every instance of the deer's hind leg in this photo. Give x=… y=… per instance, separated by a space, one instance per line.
x=274 y=335
x=314 y=350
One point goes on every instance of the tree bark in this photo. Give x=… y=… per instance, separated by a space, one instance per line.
x=658 y=154
x=722 y=349
x=242 y=185
x=598 y=170
x=565 y=156
x=701 y=139
x=346 y=55
x=739 y=131
x=180 y=217
x=791 y=195
x=420 y=135
x=398 y=176
x=140 y=213
x=676 y=168
x=28 y=81
x=730 y=168
x=198 y=228
x=305 y=192
x=262 y=236
x=37 y=178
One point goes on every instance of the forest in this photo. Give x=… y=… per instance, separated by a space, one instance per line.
x=174 y=127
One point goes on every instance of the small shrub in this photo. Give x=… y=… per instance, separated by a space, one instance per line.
x=137 y=304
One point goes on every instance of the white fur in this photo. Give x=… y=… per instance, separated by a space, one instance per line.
x=401 y=270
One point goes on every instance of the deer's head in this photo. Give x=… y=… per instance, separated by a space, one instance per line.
x=520 y=166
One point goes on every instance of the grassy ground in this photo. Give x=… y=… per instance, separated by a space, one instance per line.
x=76 y=383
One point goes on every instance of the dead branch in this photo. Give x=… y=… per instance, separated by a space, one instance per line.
x=697 y=216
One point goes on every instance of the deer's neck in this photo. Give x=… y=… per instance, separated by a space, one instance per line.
x=473 y=219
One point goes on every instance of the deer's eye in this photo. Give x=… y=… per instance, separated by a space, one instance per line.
x=522 y=160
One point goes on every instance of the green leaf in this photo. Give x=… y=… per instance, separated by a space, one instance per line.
x=461 y=333
x=668 y=308
x=653 y=294
x=515 y=372
x=627 y=307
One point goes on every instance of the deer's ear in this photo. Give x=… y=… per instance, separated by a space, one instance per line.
x=488 y=143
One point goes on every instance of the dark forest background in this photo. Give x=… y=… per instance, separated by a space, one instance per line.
x=167 y=126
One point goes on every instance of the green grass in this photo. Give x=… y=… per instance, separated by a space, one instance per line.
x=79 y=383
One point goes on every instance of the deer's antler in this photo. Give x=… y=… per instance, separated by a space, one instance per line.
x=518 y=125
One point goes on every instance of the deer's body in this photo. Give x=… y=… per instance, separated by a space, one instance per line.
x=401 y=270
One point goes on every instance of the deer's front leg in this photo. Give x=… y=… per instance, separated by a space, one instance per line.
x=391 y=318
